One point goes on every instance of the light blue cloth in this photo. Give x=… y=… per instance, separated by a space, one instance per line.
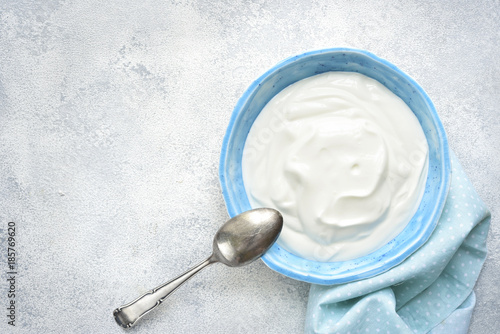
x=429 y=292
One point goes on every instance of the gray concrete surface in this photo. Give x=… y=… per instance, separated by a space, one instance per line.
x=112 y=114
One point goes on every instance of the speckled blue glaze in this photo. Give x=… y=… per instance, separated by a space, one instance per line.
x=436 y=189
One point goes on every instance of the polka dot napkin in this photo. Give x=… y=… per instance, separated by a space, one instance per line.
x=430 y=292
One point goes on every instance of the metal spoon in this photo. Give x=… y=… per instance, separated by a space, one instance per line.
x=241 y=240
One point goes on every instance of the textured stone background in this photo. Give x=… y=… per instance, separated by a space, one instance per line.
x=111 y=121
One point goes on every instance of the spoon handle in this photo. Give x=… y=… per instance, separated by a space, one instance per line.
x=128 y=314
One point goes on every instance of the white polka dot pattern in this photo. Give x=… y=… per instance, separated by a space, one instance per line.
x=431 y=291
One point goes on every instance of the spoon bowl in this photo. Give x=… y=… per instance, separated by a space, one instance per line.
x=241 y=240
x=247 y=236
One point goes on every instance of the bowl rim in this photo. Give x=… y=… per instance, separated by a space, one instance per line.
x=395 y=260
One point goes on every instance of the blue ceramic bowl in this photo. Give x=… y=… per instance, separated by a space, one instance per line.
x=308 y=64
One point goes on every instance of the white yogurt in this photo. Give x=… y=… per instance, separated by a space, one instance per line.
x=343 y=159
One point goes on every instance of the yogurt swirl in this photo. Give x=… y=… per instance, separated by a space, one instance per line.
x=343 y=159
